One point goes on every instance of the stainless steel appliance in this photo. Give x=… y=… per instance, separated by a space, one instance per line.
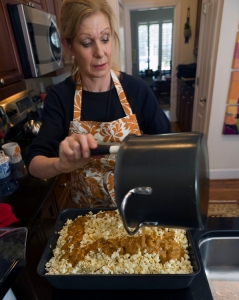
x=16 y=111
x=37 y=40
x=29 y=197
x=17 y=107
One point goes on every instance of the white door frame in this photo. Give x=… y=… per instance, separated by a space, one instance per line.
x=202 y=58
x=176 y=38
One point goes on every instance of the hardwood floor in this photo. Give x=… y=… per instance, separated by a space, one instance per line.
x=224 y=189
x=175 y=126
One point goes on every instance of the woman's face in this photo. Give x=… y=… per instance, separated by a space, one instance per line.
x=92 y=46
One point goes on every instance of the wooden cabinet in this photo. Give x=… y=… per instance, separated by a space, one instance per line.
x=50 y=6
x=185 y=96
x=11 y=74
x=57 y=6
x=62 y=193
x=162 y=90
x=38 y=4
x=59 y=199
x=11 y=79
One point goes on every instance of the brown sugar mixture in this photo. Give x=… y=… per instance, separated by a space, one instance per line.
x=164 y=245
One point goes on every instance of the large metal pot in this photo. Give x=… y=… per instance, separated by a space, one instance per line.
x=162 y=180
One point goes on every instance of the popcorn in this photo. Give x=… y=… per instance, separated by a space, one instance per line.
x=96 y=251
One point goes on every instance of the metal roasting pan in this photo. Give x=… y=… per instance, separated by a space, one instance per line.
x=117 y=281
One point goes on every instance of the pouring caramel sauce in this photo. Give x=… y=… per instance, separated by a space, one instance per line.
x=164 y=245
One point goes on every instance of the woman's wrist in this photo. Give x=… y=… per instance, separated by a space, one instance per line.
x=44 y=167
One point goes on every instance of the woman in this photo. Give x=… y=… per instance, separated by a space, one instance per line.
x=96 y=105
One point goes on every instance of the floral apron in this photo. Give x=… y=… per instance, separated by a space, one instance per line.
x=93 y=185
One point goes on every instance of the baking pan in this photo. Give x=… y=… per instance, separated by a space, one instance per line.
x=117 y=281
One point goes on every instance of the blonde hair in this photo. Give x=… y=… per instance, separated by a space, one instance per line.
x=73 y=12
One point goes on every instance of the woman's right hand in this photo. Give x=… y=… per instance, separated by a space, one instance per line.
x=74 y=151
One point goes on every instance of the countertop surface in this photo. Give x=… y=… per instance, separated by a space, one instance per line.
x=190 y=83
x=26 y=202
x=30 y=284
x=28 y=193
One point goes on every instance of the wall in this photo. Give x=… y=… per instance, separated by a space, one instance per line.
x=186 y=55
x=223 y=149
x=118 y=56
x=33 y=84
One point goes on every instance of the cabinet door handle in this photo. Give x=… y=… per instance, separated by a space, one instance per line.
x=63 y=184
x=203 y=100
x=2 y=81
x=31 y=4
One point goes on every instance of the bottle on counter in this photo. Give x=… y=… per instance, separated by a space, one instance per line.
x=42 y=91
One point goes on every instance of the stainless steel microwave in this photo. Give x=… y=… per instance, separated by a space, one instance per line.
x=37 y=40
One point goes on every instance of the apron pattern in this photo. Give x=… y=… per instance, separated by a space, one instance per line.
x=93 y=185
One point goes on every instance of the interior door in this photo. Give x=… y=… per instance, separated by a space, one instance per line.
x=207 y=52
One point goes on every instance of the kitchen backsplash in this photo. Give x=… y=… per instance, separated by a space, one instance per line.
x=33 y=84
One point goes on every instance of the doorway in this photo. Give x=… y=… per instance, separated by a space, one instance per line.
x=151 y=40
x=151 y=43
x=129 y=55
x=210 y=21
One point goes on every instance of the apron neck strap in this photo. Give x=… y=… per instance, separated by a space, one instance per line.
x=123 y=100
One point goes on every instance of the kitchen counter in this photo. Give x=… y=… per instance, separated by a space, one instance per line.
x=30 y=285
x=29 y=193
x=29 y=197
x=27 y=202
x=189 y=83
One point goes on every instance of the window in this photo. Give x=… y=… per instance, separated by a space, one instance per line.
x=154 y=45
x=166 y=46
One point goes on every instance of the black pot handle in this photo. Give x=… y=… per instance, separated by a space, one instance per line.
x=104 y=149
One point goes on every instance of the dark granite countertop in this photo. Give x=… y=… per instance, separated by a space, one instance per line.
x=27 y=196
x=30 y=283
x=189 y=83
x=28 y=193
x=27 y=201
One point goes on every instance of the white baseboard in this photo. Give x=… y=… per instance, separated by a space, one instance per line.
x=224 y=174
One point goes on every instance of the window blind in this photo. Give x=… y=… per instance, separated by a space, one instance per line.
x=154 y=45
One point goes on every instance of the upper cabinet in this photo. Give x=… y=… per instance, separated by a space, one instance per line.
x=10 y=67
x=50 y=6
x=57 y=6
x=39 y=4
x=11 y=74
